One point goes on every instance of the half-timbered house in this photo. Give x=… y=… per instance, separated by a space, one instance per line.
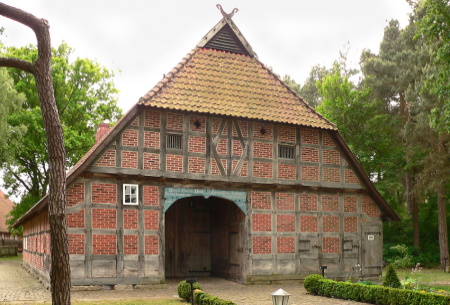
x=219 y=170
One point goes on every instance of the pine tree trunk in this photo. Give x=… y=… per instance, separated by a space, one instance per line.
x=442 y=224
x=413 y=208
x=41 y=69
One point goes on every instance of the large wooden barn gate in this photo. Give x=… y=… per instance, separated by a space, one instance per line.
x=204 y=234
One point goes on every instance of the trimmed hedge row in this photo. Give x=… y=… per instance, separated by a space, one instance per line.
x=202 y=298
x=371 y=293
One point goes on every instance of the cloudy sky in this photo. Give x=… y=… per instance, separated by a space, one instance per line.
x=142 y=40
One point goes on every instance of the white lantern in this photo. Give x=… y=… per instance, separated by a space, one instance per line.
x=280 y=297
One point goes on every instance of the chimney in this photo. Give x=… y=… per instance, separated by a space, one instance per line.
x=101 y=130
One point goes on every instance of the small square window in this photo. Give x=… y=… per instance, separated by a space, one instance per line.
x=130 y=194
x=173 y=141
x=286 y=152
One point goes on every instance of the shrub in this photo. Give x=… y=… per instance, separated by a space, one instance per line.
x=377 y=294
x=391 y=279
x=184 y=290
x=311 y=283
x=202 y=298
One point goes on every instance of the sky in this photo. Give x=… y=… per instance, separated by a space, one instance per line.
x=143 y=40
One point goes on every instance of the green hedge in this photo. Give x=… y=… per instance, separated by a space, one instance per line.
x=202 y=298
x=184 y=290
x=373 y=294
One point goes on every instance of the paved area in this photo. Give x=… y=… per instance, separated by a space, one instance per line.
x=17 y=286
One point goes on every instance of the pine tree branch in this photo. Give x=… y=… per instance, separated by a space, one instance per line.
x=18 y=64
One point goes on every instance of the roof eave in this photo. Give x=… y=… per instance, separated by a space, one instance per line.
x=382 y=203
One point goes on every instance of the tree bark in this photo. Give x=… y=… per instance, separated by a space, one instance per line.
x=41 y=69
x=413 y=207
x=442 y=225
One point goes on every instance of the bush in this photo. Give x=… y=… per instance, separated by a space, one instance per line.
x=312 y=283
x=377 y=294
x=184 y=290
x=202 y=298
x=391 y=280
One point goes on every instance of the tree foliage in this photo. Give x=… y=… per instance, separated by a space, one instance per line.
x=10 y=102
x=388 y=118
x=85 y=96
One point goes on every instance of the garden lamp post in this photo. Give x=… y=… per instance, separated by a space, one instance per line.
x=191 y=281
x=280 y=297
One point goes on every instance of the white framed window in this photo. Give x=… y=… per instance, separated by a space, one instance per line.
x=130 y=194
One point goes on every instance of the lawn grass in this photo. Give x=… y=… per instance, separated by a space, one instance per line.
x=428 y=276
x=127 y=302
x=132 y=302
x=11 y=258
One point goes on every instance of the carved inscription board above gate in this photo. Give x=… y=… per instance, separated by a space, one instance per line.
x=172 y=194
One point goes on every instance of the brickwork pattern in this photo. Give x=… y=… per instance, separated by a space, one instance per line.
x=285 y=223
x=287 y=171
x=174 y=121
x=197 y=165
x=262 y=222
x=330 y=203
x=151 y=161
x=261 y=200
x=310 y=173
x=262 y=244
x=151 y=195
x=262 y=150
x=350 y=204
x=130 y=244
x=151 y=220
x=310 y=154
x=350 y=224
x=287 y=133
x=309 y=136
x=75 y=194
x=104 y=193
x=108 y=159
x=75 y=220
x=350 y=177
x=197 y=144
x=152 y=139
x=308 y=202
x=104 y=244
x=268 y=131
x=130 y=137
x=330 y=224
x=174 y=163
x=104 y=218
x=285 y=201
x=130 y=219
x=197 y=120
x=331 y=175
x=308 y=223
x=285 y=244
x=330 y=245
x=151 y=245
x=331 y=157
x=262 y=170
x=152 y=119
x=129 y=159
x=76 y=243
x=326 y=140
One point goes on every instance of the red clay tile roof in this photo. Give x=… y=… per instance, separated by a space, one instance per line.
x=6 y=206
x=223 y=83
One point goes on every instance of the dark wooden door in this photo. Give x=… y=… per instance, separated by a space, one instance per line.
x=372 y=249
